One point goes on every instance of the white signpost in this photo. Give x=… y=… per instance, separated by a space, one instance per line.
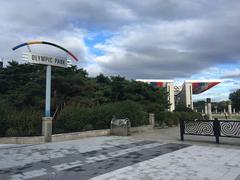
x=50 y=61
x=36 y=58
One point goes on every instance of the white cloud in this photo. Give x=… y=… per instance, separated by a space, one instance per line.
x=233 y=74
x=163 y=49
x=150 y=39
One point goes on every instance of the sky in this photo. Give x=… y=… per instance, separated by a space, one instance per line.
x=153 y=39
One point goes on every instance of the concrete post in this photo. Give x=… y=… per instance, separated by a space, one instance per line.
x=171 y=96
x=216 y=111
x=1 y=63
x=209 y=108
x=188 y=95
x=206 y=109
x=230 y=108
x=47 y=128
x=224 y=110
x=152 y=119
x=234 y=111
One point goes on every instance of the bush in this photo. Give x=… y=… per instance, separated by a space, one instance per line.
x=72 y=119
x=173 y=118
x=3 y=119
x=79 y=118
x=182 y=108
x=18 y=123
x=190 y=116
x=24 y=123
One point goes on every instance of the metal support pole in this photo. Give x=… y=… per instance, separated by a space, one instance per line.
x=47 y=120
x=182 y=129
x=48 y=92
x=216 y=129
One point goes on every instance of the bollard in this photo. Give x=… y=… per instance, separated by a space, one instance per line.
x=152 y=119
x=229 y=109
x=206 y=109
x=209 y=108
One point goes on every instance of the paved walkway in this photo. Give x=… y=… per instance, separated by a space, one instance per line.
x=118 y=158
x=172 y=135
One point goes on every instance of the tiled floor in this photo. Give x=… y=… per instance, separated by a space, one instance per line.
x=118 y=158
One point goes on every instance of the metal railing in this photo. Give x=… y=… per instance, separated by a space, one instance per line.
x=217 y=128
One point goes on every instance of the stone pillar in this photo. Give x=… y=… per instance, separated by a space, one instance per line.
x=188 y=95
x=224 y=110
x=209 y=108
x=171 y=97
x=234 y=111
x=1 y=63
x=216 y=111
x=206 y=111
x=230 y=108
x=47 y=128
x=152 y=119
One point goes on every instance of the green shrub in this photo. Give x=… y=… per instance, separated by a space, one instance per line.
x=3 y=119
x=19 y=123
x=190 y=115
x=12 y=132
x=172 y=118
x=182 y=108
x=74 y=118
x=24 y=123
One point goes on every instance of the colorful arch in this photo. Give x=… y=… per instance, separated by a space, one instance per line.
x=47 y=43
x=199 y=87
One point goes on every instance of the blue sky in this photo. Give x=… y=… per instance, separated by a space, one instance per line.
x=95 y=37
x=221 y=91
x=154 y=39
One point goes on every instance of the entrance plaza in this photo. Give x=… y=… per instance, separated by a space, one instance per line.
x=153 y=154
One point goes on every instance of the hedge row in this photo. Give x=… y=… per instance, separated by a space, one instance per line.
x=26 y=122
x=75 y=118
x=172 y=118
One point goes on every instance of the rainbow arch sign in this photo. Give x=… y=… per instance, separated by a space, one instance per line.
x=49 y=61
x=46 y=43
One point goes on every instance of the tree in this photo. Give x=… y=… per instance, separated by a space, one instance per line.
x=235 y=98
x=23 y=89
x=182 y=108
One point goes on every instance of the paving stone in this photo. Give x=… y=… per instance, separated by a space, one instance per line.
x=105 y=158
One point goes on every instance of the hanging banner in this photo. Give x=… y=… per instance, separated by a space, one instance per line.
x=44 y=59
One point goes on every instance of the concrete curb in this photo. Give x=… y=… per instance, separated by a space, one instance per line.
x=79 y=135
x=55 y=137
x=22 y=140
x=67 y=136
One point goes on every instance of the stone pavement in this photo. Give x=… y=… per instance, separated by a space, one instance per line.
x=118 y=158
x=172 y=135
x=192 y=163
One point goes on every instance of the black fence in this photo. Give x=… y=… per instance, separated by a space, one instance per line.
x=217 y=128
